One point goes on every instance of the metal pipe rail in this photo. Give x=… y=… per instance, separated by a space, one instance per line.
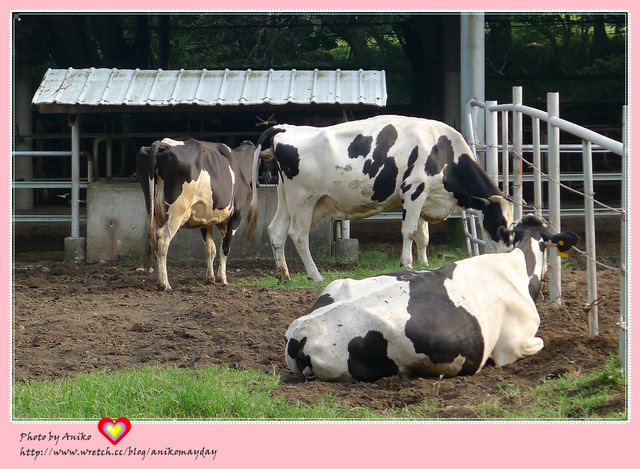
x=28 y=218
x=564 y=125
x=564 y=213
x=592 y=142
x=73 y=183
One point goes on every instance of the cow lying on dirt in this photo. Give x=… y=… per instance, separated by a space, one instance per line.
x=446 y=321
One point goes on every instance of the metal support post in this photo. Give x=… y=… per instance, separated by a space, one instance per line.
x=505 y=152
x=75 y=176
x=553 y=108
x=590 y=235
x=491 y=123
x=624 y=247
x=74 y=246
x=517 y=153
x=537 y=162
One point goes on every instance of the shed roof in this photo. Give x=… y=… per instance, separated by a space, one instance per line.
x=67 y=89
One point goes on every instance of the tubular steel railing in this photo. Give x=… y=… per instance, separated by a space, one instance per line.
x=496 y=142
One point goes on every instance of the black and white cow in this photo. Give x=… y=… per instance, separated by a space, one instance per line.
x=356 y=169
x=194 y=184
x=446 y=321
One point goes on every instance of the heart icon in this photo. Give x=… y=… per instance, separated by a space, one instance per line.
x=114 y=431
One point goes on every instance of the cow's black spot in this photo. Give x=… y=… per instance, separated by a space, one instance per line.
x=176 y=165
x=288 y=159
x=323 y=300
x=384 y=141
x=404 y=214
x=441 y=155
x=369 y=168
x=469 y=184
x=295 y=350
x=368 y=360
x=410 y=165
x=418 y=191
x=413 y=156
x=437 y=327
x=385 y=183
x=360 y=146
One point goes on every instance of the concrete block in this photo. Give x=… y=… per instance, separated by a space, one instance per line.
x=347 y=249
x=117 y=224
x=75 y=251
x=116 y=220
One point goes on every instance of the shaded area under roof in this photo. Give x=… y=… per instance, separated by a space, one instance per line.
x=98 y=89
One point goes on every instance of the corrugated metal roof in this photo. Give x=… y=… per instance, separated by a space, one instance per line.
x=110 y=87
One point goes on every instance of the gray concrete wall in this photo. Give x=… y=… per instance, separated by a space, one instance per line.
x=117 y=225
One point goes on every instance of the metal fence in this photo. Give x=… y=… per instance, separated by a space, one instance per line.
x=64 y=183
x=499 y=119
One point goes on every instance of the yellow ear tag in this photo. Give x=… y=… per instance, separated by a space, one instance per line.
x=562 y=254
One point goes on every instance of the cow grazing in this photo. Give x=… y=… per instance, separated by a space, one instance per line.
x=194 y=184
x=356 y=169
x=441 y=322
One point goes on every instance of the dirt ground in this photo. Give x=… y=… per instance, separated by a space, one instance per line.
x=77 y=318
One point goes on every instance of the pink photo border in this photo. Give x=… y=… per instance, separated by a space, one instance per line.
x=312 y=444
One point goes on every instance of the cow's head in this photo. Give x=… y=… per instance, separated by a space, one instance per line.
x=497 y=218
x=532 y=236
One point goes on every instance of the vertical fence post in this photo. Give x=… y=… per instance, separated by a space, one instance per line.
x=553 y=109
x=465 y=227
x=590 y=235
x=75 y=176
x=491 y=139
x=517 y=153
x=74 y=245
x=505 y=152
x=474 y=233
x=624 y=248
x=537 y=162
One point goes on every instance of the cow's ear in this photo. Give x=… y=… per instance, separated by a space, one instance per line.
x=565 y=240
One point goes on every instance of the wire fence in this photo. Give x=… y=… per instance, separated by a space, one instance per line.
x=495 y=140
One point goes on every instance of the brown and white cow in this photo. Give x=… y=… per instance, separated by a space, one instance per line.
x=356 y=169
x=194 y=184
x=447 y=321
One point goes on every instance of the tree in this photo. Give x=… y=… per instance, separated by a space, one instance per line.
x=561 y=52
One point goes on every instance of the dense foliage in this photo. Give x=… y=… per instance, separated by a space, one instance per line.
x=582 y=56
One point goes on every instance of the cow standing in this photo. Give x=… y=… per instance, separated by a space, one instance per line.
x=446 y=321
x=356 y=169
x=194 y=184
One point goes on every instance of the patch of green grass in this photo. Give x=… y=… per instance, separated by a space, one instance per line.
x=213 y=392
x=219 y=393
x=592 y=396
x=370 y=263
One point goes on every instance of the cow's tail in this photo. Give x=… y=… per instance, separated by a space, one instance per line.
x=252 y=216
x=151 y=233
